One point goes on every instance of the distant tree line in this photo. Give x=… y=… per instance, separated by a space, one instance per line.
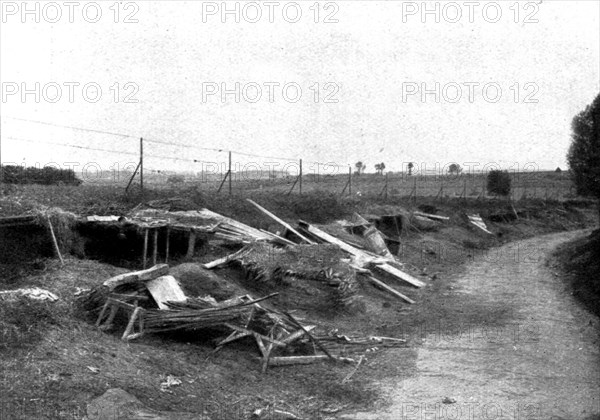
x=48 y=175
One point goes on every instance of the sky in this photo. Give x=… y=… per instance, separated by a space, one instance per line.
x=480 y=84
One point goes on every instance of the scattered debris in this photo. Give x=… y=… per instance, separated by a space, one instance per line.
x=349 y=376
x=477 y=221
x=93 y=369
x=34 y=293
x=169 y=382
x=364 y=257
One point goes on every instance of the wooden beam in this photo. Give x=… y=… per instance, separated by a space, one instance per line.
x=145 y=251
x=281 y=222
x=167 y=245
x=431 y=216
x=400 y=274
x=389 y=289
x=155 y=246
x=305 y=360
x=191 y=244
x=136 y=276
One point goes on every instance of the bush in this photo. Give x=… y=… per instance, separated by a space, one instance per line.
x=498 y=182
x=47 y=175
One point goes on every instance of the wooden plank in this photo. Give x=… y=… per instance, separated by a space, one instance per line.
x=278 y=238
x=281 y=222
x=165 y=289
x=400 y=274
x=248 y=230
x=305 y=360
x=223 y=260
x=332 y=240
x=136 y=276
x=431 y=216
x=390 y=289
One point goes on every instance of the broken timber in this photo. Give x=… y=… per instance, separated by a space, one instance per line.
x=136 y=276
x=390 y=289
x=281 y=222
x=379 y=263
x=305 y=360
x=431 y=216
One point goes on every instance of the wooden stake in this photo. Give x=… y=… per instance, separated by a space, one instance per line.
x=300 y=178
x=167 y=246
x=230 y=173
x=142 y=166
x=191 y=244
x=145 y=252
x=62 y=262
x=155 y=246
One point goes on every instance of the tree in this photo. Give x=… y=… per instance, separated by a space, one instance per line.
x=584 y=153
x=410 y=168
x=360 y=167
x=454 y=169
x=498 y=182
x=380 y=167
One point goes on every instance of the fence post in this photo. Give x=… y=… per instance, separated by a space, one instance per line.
x=386 y=186
x=350 y=180
x=300 y=185
x=230 y=172
x=142 y=166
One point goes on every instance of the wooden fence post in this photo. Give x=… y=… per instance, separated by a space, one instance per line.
x=300 y=178
x=142 y=165
x=350 y=180
x=230 y=172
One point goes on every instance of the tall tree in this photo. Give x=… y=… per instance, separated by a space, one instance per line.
x=360 y=167
x=584 y=152
x=454 y=168
x=410 y=168
x=379 y=167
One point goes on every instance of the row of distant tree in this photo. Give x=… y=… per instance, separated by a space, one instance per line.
x=48 y=175
x=454 y=168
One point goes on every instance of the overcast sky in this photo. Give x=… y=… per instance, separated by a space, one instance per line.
x=354 y=81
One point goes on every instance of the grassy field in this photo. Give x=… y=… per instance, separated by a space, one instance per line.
x=108 y=197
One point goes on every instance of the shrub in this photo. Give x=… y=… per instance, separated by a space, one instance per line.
x=498 y=182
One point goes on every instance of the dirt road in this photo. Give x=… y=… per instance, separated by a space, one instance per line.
x=541 y=362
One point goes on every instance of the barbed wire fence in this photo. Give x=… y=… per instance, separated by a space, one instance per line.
x=236 y=172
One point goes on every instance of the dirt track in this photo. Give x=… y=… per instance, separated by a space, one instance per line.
x=542 y=362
